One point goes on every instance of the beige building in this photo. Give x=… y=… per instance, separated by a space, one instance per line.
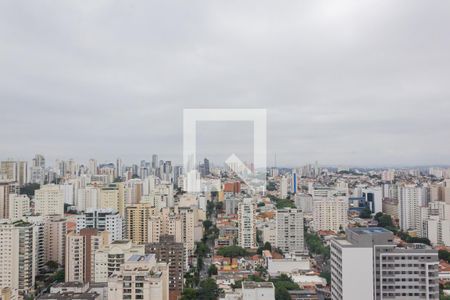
x=8 y=169
x=330 y=213
x=7 y=188
x=17 y=256
x=141 y=277
x=9 y=294
x=113 y=196
x=109 y=258
x=390 y=207
x=80 y=254
x=19 y=206
x=137 y=217
x=55 y=230
x=49 y=200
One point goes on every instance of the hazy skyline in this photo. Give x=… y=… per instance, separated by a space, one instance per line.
x=357 y=83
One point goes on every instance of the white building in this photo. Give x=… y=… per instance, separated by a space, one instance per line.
x=258 y=290
x=104 y=219
x=368 y=265
x=247 y=223
x=289 y=229
x=110 y=258
x=284 y=187
x=304 y=202
x=409 y=201
x=141 y=277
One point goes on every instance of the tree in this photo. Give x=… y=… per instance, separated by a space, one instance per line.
x=29 y=189
x=212 y=270
x=208 y=290
x=202 y=249
x=326 y=275
x=207 y=224
x=267 y=246
x=444 y=255
x=59 y=276
x=189 y=294
x=210 y=207
x=200 y=263
x=52 y=265
x=366 y=213
x=271 y=186
x=385 y=221
x=283 y=284
x=315 y=245
x=232 y=251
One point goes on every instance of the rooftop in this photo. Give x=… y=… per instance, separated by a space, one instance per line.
x=255 y=285
x=369 y=230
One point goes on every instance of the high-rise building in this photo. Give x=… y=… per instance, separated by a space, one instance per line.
x=173 y=253
x=284 y=187
x=22 y=172
x=19 y=206
x=80 y=254
x=37 y=170
x=113 y=197
x=110 y=258
x=7 y=188
x=330 y=213
x=368 y=265
x=87 y=198
x=103 y=219
x=294 y=182
x=409 y=202
x=119 y=168
x=168 y=222
x=304 y=202
x=14 y=171
x=49 y=200
x=155 y=161
x=137 y=217
x=39 y=161
x=92 y=168
x=289 y=230
x=141 y=277
x=17 y=256
x=8 y=169
x=374 y=199
x=247 y=223
x=55 y=229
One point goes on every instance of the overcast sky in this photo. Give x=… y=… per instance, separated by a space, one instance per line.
x=363 y=83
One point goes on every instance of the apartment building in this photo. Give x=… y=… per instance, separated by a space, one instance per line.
x=17 y=256
x=247 y=223
x=168 y=250
x=49 y=200
x=289 y=230
x=103 y=219
x=368 y=265
x=80 y=253
x=330 y=213
x=110 y=258
x=140 y=277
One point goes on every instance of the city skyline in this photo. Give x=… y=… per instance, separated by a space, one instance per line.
x=348 y=83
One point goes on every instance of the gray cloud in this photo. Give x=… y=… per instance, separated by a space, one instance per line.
x=347 y=82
